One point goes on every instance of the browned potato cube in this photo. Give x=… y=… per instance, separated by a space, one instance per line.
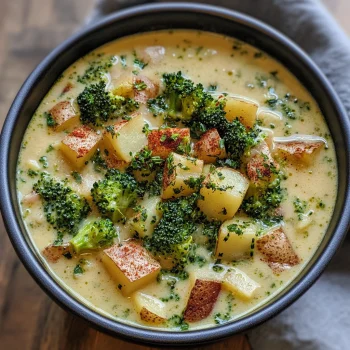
x=80 y=145
x=130 y=265
x=298 y=147
x=164 y=141
x=210 y=147
x=64 y=115
x=277 y=250
x=144 y=88
x=54 y=252
x=260 y=165
x=202 y=300
x=151 y=309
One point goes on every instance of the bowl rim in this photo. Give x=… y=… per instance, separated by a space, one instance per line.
x=129 y=332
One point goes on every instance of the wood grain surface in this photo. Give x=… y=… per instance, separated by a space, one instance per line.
x=29 y=319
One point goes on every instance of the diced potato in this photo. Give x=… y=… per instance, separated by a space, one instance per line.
x=151 y=309
x=64 y=115
x=179 y=174
x=144 y=88
x=131 y=266
x=240 y=284
x=209 y=147
x=54 y=252
x=128 y=138
x=223 y=191
x=124 y=87
x=261 y=165
x=236 y=239
x=164 y=141
x=277 y=250
x=298 y=147
x=202 y=300
x=80 y=145
x=243 y=109
x=147 y=218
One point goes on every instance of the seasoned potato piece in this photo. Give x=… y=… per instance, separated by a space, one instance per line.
x=260 y=165
x=298 y=147
x=202 y=300
x=64 y=115
x=242 y=108
x=147 y=218
x=180 y=174
x=54 y=252
x=125 y=86
x=130 y=265
x=223 y=191
x=277 y=250
x=151 y=309
x=164 y=141
x=240 y=284
x=144 y=88
x=80 y=145
x=127 y=138
x=209 y=147
x=236 y=239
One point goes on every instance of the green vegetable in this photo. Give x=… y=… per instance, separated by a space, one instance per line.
x=64 y=209
x=94 y=235
x=172 y=236
x=98 y=105
x=115 y=194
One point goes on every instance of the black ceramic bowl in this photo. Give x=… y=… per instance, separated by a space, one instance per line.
x=155 y=17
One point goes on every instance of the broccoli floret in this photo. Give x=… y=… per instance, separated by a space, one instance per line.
x=263 y=202
x=172 y=236
x=94 y=235
x=145 y=161
x=115 y=194
x=64 y=209
x=97 y=105
x=183 y=97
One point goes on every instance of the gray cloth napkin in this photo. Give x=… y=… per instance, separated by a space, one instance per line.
x=320 y=319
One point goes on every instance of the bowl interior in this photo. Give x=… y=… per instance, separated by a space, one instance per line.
x=162 y=17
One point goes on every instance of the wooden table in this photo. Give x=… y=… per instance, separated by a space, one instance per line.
x=29 y=29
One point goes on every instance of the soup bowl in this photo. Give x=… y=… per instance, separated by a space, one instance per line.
x=159 y=17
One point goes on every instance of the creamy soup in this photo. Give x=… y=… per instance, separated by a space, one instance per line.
x=244 y=201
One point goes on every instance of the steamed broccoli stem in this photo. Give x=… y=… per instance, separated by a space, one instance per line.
x=94 y=235
x=64 y=209
x=115 y=194
x=97 y=105
x=172 y=237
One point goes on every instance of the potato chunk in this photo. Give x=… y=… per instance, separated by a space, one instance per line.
x=242 y=108
x=209 y=147
x=202 y=300
x=180 y=175
x=54 y=252
x=261 y=165
x=64 y=115
x=298 y=147
x=223 y=191
x=164 y=141
x=151 y=309
x=277 y=250
x=130 y=265
x=80 y=145
x=236 y=239
x=127 y=138
x=147 y=218
x=240 y=284
x=144 y=88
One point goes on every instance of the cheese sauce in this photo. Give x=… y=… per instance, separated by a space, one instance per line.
x=222 y=64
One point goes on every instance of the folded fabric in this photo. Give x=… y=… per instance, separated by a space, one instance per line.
x=320 y=318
